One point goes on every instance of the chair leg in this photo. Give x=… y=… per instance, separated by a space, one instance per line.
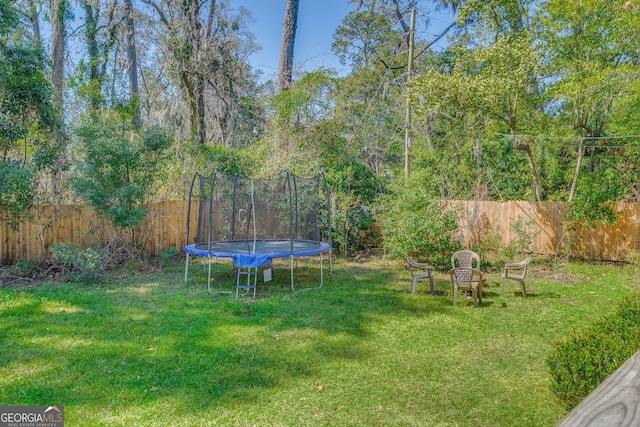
x=455 y=296
x=414 y=282
x=474 y=292
x=521 y=281
x=433 y=291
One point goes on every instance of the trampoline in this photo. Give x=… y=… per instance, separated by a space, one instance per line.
x=255 y=221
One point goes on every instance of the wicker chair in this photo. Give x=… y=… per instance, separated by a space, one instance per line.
x=465 y=258
x=466 y=275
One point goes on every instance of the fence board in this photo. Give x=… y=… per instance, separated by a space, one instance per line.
x=543 y=223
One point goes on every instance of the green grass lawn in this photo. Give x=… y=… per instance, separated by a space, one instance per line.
x=146 y=350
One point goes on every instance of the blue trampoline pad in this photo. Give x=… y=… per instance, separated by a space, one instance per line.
x=250 y=253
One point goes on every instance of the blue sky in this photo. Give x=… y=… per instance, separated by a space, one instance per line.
x=317 y=22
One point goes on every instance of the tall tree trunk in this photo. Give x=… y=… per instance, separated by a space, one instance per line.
x=534 y=170
x=574 y=183
x=193 y=106
x=133 y=60
x=34 y=17
x=202 y=129
x=93 y=51
x=56 y=17
x=517 y=145
x=57 y=50
x=285 y=67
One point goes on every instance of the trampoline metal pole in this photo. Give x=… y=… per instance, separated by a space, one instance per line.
x=186 y=269
x=330 y=263
x=321 y=271
x=253 y=218
x=291 y=266
x=209 y=273
x=186 y=239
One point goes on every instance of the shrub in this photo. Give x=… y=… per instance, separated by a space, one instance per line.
x=522 y=241
x=119 y=167
x=581 y=363
x=633 y=258
x=354 y=188
x=16 y=191
x=355 y=228
x=25 y=268
x=419 y=226
x=228 y=160
x=78 y=263
x=169 y=255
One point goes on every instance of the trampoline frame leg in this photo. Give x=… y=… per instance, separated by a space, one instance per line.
x=209 y=274
x=321 y=272
x=330 y=264
x=291 y=269
x=186 y=269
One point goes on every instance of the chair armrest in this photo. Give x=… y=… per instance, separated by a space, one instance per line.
x=414 y=264
x=517 y=265
x=472 y=272
x=516 y=270
x=468 y=276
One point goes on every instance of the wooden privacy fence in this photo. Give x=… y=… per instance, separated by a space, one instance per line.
x=541 y=225
x=545 y=226
x=163 y=228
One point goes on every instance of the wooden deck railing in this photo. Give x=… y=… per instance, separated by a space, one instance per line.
x=614 y=403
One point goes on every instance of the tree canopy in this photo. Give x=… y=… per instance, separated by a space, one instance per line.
x=515 y=99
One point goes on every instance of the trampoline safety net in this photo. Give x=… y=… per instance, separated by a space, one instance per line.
x=231 y=208
x=254 y=220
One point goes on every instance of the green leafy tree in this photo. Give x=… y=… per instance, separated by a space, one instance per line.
x=372 y=113
x=119 y=166
x=482 y=91
x=302 y=131
x=354 y=188
x=16 y=191
x=28 y=120
x=363 y=36
x=418 y=225
x=205 y=48
x=592 y=50
x=368 y=101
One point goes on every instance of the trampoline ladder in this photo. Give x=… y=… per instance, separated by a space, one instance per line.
x=249 y=272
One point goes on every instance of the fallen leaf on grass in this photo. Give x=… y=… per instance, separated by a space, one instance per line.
x=319 y=387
